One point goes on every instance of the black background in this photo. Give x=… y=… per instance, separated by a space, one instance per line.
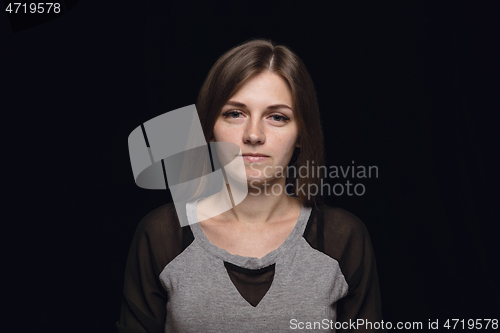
x=407 y=86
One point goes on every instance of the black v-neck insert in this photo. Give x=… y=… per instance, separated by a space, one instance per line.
x=252 y=284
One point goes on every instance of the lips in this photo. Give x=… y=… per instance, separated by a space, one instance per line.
x=257 y=155
x=254 y=157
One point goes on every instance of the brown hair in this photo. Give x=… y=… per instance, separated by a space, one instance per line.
x=240 y=64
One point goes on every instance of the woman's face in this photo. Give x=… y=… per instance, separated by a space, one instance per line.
x=259 y=119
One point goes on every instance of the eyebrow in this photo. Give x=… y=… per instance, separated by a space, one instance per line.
x=270 y=107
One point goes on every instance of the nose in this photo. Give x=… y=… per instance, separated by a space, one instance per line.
x=254 y=133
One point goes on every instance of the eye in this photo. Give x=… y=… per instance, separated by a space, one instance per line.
x=232 y=114
x=279 y=118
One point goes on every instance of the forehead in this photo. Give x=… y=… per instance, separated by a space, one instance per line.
x=265 y=88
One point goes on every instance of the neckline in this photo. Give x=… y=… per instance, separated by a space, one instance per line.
x=247 y=262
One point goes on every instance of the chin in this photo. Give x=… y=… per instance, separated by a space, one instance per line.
x=261 y=182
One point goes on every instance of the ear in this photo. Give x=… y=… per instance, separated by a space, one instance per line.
x=297 y=143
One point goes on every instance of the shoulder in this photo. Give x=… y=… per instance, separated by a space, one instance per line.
x=345 y=235
x=342 y=222
x=160 y=233
x=160 y=219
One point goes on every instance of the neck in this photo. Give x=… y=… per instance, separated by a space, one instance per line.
x=260 y=206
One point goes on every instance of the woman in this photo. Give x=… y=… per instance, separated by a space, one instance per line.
x=278 y=260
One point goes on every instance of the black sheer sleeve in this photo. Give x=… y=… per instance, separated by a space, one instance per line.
x=157 y=241
x=343 y=236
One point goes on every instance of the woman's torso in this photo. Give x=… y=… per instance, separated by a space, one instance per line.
x=212 y=290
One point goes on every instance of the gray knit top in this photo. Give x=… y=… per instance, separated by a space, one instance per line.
x=322 y=275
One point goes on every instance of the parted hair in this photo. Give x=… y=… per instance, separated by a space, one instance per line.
x=239 y=65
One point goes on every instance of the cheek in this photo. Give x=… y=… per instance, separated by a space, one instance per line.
x=226 y=134
x=218 y=133
x=290 y=138
x=287 y=144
